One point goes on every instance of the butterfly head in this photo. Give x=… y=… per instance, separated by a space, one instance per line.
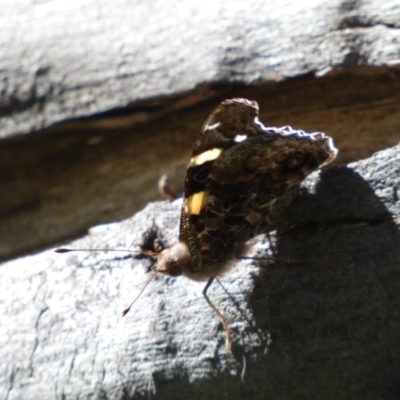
x=175 y=260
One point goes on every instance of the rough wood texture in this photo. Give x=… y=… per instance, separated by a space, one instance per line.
x=71 y=59
x=321 y=321
x=327 y=66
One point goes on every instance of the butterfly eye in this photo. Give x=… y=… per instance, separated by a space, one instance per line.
x=174 y=268
x=295 y=162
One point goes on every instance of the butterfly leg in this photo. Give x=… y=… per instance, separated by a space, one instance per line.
x=220 y=315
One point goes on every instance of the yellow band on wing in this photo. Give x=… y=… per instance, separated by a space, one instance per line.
x=195 y=202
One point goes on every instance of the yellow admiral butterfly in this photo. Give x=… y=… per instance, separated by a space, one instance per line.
x=240 y=178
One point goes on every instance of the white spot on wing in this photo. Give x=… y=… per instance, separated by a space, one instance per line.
x=240 y=138
x=208 y=155
x=212 y=127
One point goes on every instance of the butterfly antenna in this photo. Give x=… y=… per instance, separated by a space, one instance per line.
x=145 y=252
x=144 y=287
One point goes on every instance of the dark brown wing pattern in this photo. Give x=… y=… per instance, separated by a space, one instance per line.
x=241 y=177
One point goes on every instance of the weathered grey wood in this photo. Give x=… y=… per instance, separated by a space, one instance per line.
x=162 y=66
x=63 y=60
x=321 y=321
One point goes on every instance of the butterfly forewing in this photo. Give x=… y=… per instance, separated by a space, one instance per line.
x=240 y=178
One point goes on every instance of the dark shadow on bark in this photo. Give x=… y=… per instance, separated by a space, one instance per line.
x=332 y=312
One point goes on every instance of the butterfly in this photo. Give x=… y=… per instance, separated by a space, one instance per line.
x=240 y=179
